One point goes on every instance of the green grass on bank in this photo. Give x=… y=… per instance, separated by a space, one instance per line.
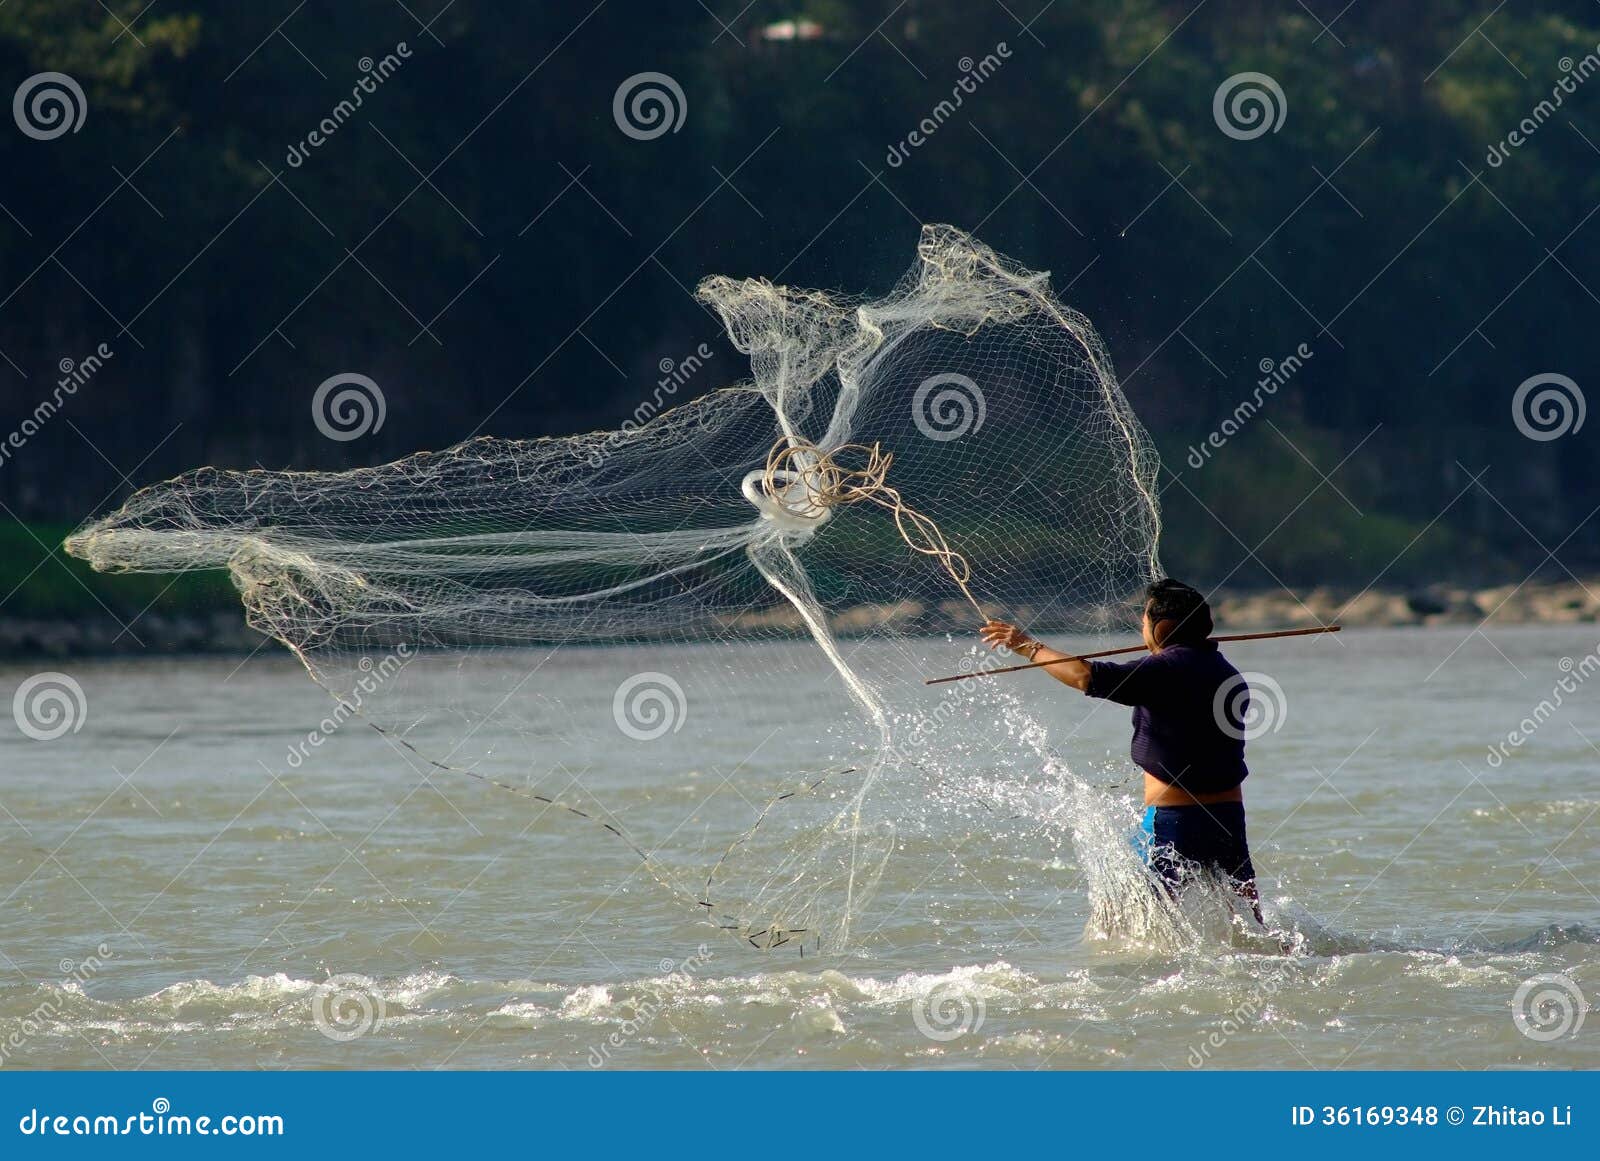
x=1261 y=512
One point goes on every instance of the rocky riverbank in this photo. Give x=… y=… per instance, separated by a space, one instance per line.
x=1531 y=603
x=1542 y=602
x=1534 y=602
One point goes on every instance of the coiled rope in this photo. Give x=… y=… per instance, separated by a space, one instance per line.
x=825 y=483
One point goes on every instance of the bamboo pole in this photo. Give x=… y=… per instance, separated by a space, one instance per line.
x=1130 y=649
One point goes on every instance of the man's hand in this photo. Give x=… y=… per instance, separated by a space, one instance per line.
x=1066 y=669
x=1003 y=634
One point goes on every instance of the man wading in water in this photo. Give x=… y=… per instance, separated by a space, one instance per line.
x=1188 y=736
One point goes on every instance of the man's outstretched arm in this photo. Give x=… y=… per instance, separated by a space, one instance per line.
x=1070 y=671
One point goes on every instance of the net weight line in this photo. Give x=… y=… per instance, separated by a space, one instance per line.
x=824 y=481
x=776 y=935
x=494 y=542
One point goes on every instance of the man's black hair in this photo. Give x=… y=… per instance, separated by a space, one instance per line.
x=1184 y=606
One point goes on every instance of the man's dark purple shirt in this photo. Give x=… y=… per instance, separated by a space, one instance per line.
x=1179 y=714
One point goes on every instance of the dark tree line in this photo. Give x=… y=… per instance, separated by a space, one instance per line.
x=481 y=239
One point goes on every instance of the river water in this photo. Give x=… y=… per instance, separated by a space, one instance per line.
x=178 y=894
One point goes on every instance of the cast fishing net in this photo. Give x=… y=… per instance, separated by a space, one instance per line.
x=755 y=561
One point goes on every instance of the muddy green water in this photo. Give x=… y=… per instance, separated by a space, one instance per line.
x=175 y=895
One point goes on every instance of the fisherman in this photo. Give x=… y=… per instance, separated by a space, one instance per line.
x=1189 y=708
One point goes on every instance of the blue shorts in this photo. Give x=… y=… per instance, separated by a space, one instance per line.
x=1173 y=840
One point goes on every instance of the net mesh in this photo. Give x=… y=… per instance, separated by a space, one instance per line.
x=453 y=598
